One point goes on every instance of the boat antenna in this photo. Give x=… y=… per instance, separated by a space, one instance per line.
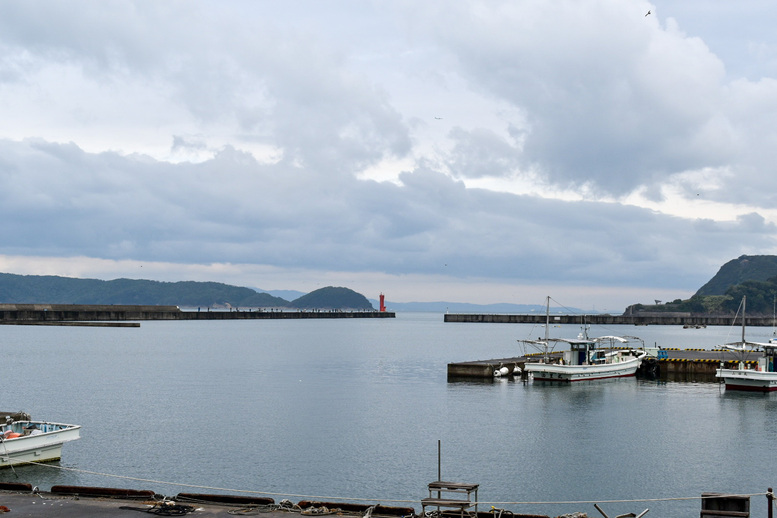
x=585 y=326
x=547 y=326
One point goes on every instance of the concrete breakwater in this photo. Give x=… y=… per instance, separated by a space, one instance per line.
x=656 y=319
x=54 y=313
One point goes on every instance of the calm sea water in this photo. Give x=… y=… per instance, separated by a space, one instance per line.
x=341 y=409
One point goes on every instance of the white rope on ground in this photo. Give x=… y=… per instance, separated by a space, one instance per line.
x=373 y=500
x=667 y=499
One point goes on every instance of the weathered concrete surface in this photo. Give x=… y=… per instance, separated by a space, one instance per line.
x=89 y=503
x=29 y=313
x=65 y=506
x=673 y=319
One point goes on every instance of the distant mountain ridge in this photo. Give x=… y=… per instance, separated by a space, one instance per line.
x=752 y=275
x=283 y=294
x=49 y=289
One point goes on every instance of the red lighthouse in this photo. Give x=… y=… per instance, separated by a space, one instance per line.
x=382 y=302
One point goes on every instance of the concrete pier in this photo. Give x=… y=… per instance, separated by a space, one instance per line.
x=678 y=365
x=60 y=313
x=652 y=319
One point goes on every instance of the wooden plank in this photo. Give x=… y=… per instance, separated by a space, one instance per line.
x=453 y=486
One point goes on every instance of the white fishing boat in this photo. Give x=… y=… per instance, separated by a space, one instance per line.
x=23 y=440
x=585 y=358
x=588 y=359
x=755 y=366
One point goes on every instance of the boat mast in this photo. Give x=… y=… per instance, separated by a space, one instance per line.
x=547 y=326
x=744 y=303
x=589 y=347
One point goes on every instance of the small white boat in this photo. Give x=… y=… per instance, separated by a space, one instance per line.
x=586 y=358
x=23 y=440
x=760 y=377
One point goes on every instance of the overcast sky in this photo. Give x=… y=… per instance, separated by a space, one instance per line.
x=459 y=150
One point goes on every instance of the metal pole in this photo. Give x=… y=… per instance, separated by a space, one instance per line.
x=770 y=500
x=439 y=476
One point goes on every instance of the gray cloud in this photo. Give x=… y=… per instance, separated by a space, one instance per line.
x=609 y=97
x=233 y=209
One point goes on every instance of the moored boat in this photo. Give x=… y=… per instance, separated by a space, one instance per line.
x=586 y=358
x=761 y=377
x=23 y=440
x=589 y=359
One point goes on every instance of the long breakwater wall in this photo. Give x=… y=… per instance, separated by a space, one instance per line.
x=637 y=320
x=56 y=313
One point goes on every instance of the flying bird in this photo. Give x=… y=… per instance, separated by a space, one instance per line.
x=647 y=13
x=438 y=118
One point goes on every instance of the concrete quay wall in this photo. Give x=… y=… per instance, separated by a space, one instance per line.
x=37 y=313
x=270 y=315
x=668 y=370
x=84 y=313
x=637 y=320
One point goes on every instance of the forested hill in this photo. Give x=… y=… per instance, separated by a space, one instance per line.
x=744 y=268
x=46 y=289
x=750 y=276
x=332 y=298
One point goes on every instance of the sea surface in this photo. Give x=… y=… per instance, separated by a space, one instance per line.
x=356 y=409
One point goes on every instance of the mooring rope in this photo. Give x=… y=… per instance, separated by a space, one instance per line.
x=630 y=500
x=373 y=500
x=216 y=488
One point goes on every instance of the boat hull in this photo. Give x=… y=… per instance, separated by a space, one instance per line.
x=749 y=380
x=570 y=373
x=43 y=447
